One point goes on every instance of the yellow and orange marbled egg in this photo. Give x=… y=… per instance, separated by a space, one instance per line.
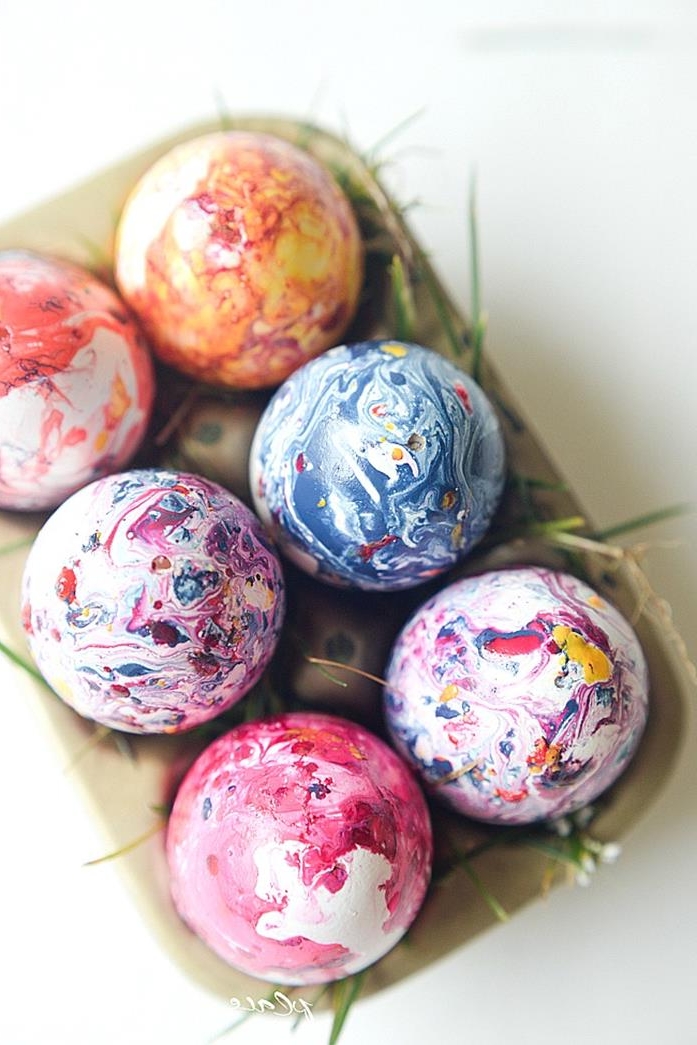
x=241 y=256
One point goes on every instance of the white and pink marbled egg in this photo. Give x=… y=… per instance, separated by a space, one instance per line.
x=152 y=600
x=518 y=695
x=299 y=848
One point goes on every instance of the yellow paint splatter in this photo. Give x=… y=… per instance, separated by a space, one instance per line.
x=544 y=756
x=596 y=602
x=322 y=503
x=449 y=693
x=596 y=666
x=394 y=349
x=119 y=402
x=258 y=594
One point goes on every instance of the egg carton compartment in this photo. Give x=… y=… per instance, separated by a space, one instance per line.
x=202 y=429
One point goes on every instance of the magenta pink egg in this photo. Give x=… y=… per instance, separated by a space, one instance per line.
x=299 y=848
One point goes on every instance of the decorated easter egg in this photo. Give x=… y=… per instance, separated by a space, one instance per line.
x=377 y=465
x=299 y=848
x=152 y=600
x=76 y=381
x=518 y=695
x=241 y=256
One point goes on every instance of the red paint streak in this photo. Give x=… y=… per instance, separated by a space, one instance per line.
x=366 y=551
x=379 y=410
x=45 y=326
x=75 y=435
x=300 y=463
x=463 y=396
x=514 y=645
x=511 y=796
x=212 y=864
x=334 y=879
x=66 y=585
x=302 y=747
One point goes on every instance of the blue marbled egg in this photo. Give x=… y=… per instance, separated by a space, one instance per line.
x=377 y=465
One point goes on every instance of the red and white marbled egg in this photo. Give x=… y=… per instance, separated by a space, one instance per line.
x=76 y=381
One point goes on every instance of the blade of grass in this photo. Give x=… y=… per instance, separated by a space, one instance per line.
x=441 y=307
x=552 y=851
x=301 y=1014
x=345 y=667
x=477 y=317
x=585 y=544
x=99 y=734
x=124 y=746
x=487 y=896
x=370 y=157
x=345 y=994
x=14 y=546
x=224 y=116
x=405 y=313
x=24 y=664
x=129 y=847
x=571 y=522
x=649 y=519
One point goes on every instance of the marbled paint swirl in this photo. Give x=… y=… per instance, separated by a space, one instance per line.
x=377 y=465
x=299 y=848
x=241 y=256
x=518 y=695
x=76 y=381
x=152 y=600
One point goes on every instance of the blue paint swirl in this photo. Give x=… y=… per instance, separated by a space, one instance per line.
x=378 y=464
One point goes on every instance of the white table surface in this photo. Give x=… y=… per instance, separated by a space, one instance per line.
x=581 y=123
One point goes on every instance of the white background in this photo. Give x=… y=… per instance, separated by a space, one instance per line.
x=581 y=123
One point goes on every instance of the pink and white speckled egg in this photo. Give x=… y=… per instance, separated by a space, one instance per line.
x=299 y=848
x=152 y=600
x=76 y=381
x=518 y=695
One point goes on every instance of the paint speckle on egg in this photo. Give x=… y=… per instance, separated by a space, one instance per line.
x=518 y=695
x=76 y=381
x=152 y=601
x=241 y=256
x=378 y=465
x=299 y=848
